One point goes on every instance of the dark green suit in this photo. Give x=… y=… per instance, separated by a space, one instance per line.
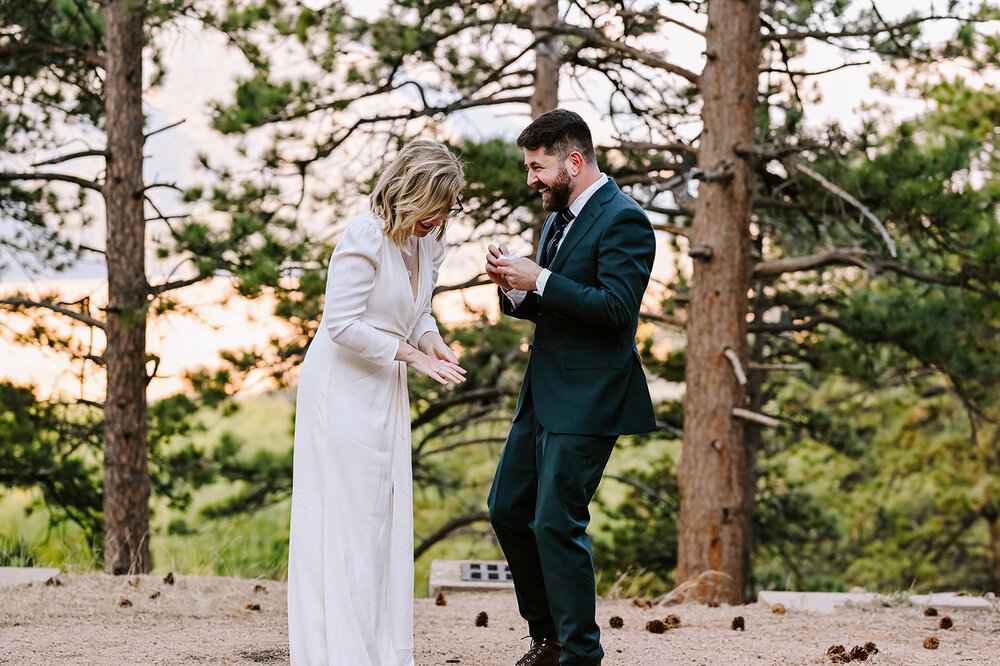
x=583 y=387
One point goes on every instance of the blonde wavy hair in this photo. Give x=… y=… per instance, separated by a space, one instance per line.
x=421 y=184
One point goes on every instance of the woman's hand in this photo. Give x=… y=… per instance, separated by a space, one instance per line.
x=432 y=344
x=445 y=372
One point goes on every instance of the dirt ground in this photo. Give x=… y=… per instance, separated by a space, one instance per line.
x=200 y=620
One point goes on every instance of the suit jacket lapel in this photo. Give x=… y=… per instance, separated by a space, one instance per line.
x=583 y=222
x=546 y=235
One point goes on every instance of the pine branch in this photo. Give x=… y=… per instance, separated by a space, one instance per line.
x=459 y=444
x=594 y=37
x=849 y=256
x=157 y=289
x=14 y=49
x=645 y=488
x=53 y=177
x=54 y=307
x=446 y=529
x=846 y=196
x=664 y=320
x=72 y=156
x=792 y=72
x=794 y=325
x=438 y=407
x=868 y=32
x=476 y=281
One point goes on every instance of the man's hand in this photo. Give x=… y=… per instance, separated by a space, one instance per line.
x=491 y=269
x=511 y=272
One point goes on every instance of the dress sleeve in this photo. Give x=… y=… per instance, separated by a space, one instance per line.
x=426 y=322
x=350 y=280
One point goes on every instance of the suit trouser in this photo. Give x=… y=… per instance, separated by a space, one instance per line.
x=539 y=510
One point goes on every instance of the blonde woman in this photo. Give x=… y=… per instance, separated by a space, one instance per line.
x=350 y=563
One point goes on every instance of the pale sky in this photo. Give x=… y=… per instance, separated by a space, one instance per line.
x=189 y=88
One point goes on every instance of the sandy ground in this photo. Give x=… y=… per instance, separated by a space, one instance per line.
x=201 y=620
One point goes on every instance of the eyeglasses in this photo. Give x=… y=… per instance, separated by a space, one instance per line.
x=457 y=208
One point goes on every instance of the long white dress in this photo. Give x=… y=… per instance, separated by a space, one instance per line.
x=350 y=562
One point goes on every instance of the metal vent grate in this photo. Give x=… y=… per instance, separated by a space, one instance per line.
x=483 y=571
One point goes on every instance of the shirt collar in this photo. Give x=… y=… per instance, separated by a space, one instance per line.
x=584 y=197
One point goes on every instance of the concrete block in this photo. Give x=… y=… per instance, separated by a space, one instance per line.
x=446 y=576
x=828 y=602
x=25 y=575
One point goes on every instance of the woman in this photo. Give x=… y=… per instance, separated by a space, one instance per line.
x=350 y=562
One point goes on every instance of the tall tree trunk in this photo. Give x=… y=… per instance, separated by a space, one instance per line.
x=712 y=477
x=126 y=475
x=545 y=95
x=751 y=443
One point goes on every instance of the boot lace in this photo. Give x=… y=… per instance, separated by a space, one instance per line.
x=537 y=647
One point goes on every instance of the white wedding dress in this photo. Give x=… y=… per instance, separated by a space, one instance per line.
x=350 y=562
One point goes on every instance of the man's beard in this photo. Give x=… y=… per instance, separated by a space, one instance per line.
x=559 y=191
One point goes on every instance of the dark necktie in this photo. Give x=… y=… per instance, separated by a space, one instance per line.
x=563 y=218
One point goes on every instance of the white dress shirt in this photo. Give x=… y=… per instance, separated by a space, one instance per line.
x=516 y=296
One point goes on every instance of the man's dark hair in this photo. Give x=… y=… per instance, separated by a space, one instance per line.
x=559 y=132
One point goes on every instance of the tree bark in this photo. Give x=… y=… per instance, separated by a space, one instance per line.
x=545 y=95
x=126 y=475
x=712 y=534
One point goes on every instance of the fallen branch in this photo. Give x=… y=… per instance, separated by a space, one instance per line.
x=756 y=417
x=734 y=360
x=765 y=367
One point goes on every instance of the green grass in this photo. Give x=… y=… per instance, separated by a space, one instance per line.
x=256 y=545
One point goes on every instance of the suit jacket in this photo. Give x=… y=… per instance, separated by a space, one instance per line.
x=584 y=375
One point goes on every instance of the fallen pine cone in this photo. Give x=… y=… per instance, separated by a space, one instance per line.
x=931 y=643
x=155 y=595
x=837 y=654
x=51 y=582
x=836 y=649
x=946 y=623
x=673 y=621
x=439 y=600
x=259 y=588
x=872 y=649
x=482 y=619
x=930 y=611
x=778 y=609
x=169 y=578
x=739 y=624
x=616 y=622
x=858 y=653
x=642 y=602
x=253 y=607
x=124 y=603
x=656 y=626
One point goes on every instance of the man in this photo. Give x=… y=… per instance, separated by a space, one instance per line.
x=583 y=387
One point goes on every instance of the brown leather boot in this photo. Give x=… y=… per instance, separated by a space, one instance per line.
x=542 y=653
